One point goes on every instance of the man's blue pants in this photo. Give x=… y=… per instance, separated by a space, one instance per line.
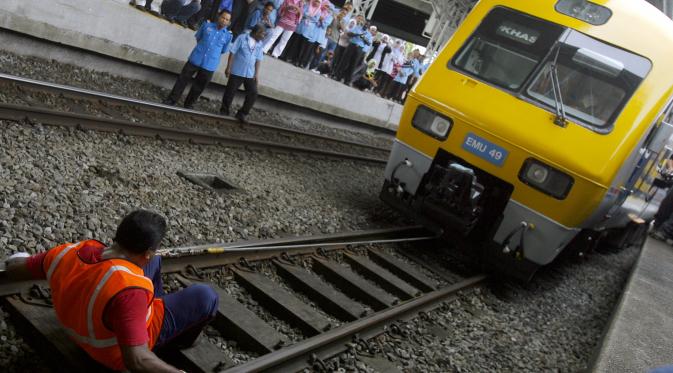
x=186 y=312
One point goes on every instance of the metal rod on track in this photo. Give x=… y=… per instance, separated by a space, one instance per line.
x=246 y=249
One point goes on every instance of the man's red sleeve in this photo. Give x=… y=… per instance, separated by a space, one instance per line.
x=126 y=314
x=34 y=265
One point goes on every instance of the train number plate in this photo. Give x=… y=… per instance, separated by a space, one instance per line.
x=485 y=149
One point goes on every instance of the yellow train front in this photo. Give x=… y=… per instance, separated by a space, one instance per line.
x=539 y=121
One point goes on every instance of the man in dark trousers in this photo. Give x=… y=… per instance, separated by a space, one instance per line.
x=110 y=299
x=662 y=227
x=245 y=56
x=213 y=39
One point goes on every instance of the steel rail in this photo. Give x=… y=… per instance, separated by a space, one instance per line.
x=53 y=117
x=259 y=250
x=295 y=357
x=80 y=92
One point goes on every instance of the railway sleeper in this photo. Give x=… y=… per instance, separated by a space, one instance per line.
x=403 y=270
x=282 y=303
x=382 y=277
x=351 y=283
x=45 y=334
x=203 y=356
x=330 y=300
x=237 y=322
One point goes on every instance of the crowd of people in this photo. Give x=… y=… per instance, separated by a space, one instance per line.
x=311 y=34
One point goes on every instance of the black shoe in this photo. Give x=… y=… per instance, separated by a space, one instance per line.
x=224 y=112
x=190 y=106
x=181 y=23
x=241 y=117
x=193 y=27
x=168 y=101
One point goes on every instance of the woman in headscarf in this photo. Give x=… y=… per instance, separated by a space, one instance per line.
x=388 y=62
x=314 y=35
x=305 y=27
x=289 y=16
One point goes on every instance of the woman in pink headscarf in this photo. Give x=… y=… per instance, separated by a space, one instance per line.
x=303 y=32
x=315 y=38
x=289 y=16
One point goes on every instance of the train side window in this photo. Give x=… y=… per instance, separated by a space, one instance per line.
x=506 y=48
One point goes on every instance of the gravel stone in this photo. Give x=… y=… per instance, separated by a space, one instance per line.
x=552 y=324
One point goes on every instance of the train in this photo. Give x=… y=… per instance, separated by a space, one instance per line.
x=539 y=126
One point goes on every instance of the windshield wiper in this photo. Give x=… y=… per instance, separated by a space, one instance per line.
x=560 y=118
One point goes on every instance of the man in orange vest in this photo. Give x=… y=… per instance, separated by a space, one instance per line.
x=110 y=300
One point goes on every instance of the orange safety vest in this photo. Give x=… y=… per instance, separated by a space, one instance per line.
x=80 y=291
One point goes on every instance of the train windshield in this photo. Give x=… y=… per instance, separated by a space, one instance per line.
x=520 y=54
x=595 y=79
x=507 y=47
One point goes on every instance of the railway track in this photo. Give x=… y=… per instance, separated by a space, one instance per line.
x=105 y=112
x=333 y=291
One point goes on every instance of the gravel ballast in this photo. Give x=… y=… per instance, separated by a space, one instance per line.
x=552 y=324
x=59 y=185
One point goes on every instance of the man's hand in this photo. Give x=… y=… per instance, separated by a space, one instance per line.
x=16 y=268
x=227 y=72
x=256 y=79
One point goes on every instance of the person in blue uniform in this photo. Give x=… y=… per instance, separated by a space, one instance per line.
x=212 y=41
x=245 y=57
x=265 y=16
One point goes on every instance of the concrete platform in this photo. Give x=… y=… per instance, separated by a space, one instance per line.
x=113 y=28
x=640 y=335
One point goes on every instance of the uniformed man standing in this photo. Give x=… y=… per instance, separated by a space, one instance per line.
x=213 y=39
x=243 y=69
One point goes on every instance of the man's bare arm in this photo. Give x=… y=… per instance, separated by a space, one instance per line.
x=140 y=359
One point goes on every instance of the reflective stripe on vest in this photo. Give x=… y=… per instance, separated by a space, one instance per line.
x=93 y=342
x=94 y=296
x=58 y=258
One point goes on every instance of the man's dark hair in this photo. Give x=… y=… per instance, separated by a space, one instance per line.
x=141 y=230
x=256 y=28
x=270 y=3
x=222 y=12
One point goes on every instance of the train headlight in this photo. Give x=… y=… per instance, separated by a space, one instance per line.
x=546 y=179
x=431 y=123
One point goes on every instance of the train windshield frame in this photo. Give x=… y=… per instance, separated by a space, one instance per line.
x=506 y=48
x=596 y=79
